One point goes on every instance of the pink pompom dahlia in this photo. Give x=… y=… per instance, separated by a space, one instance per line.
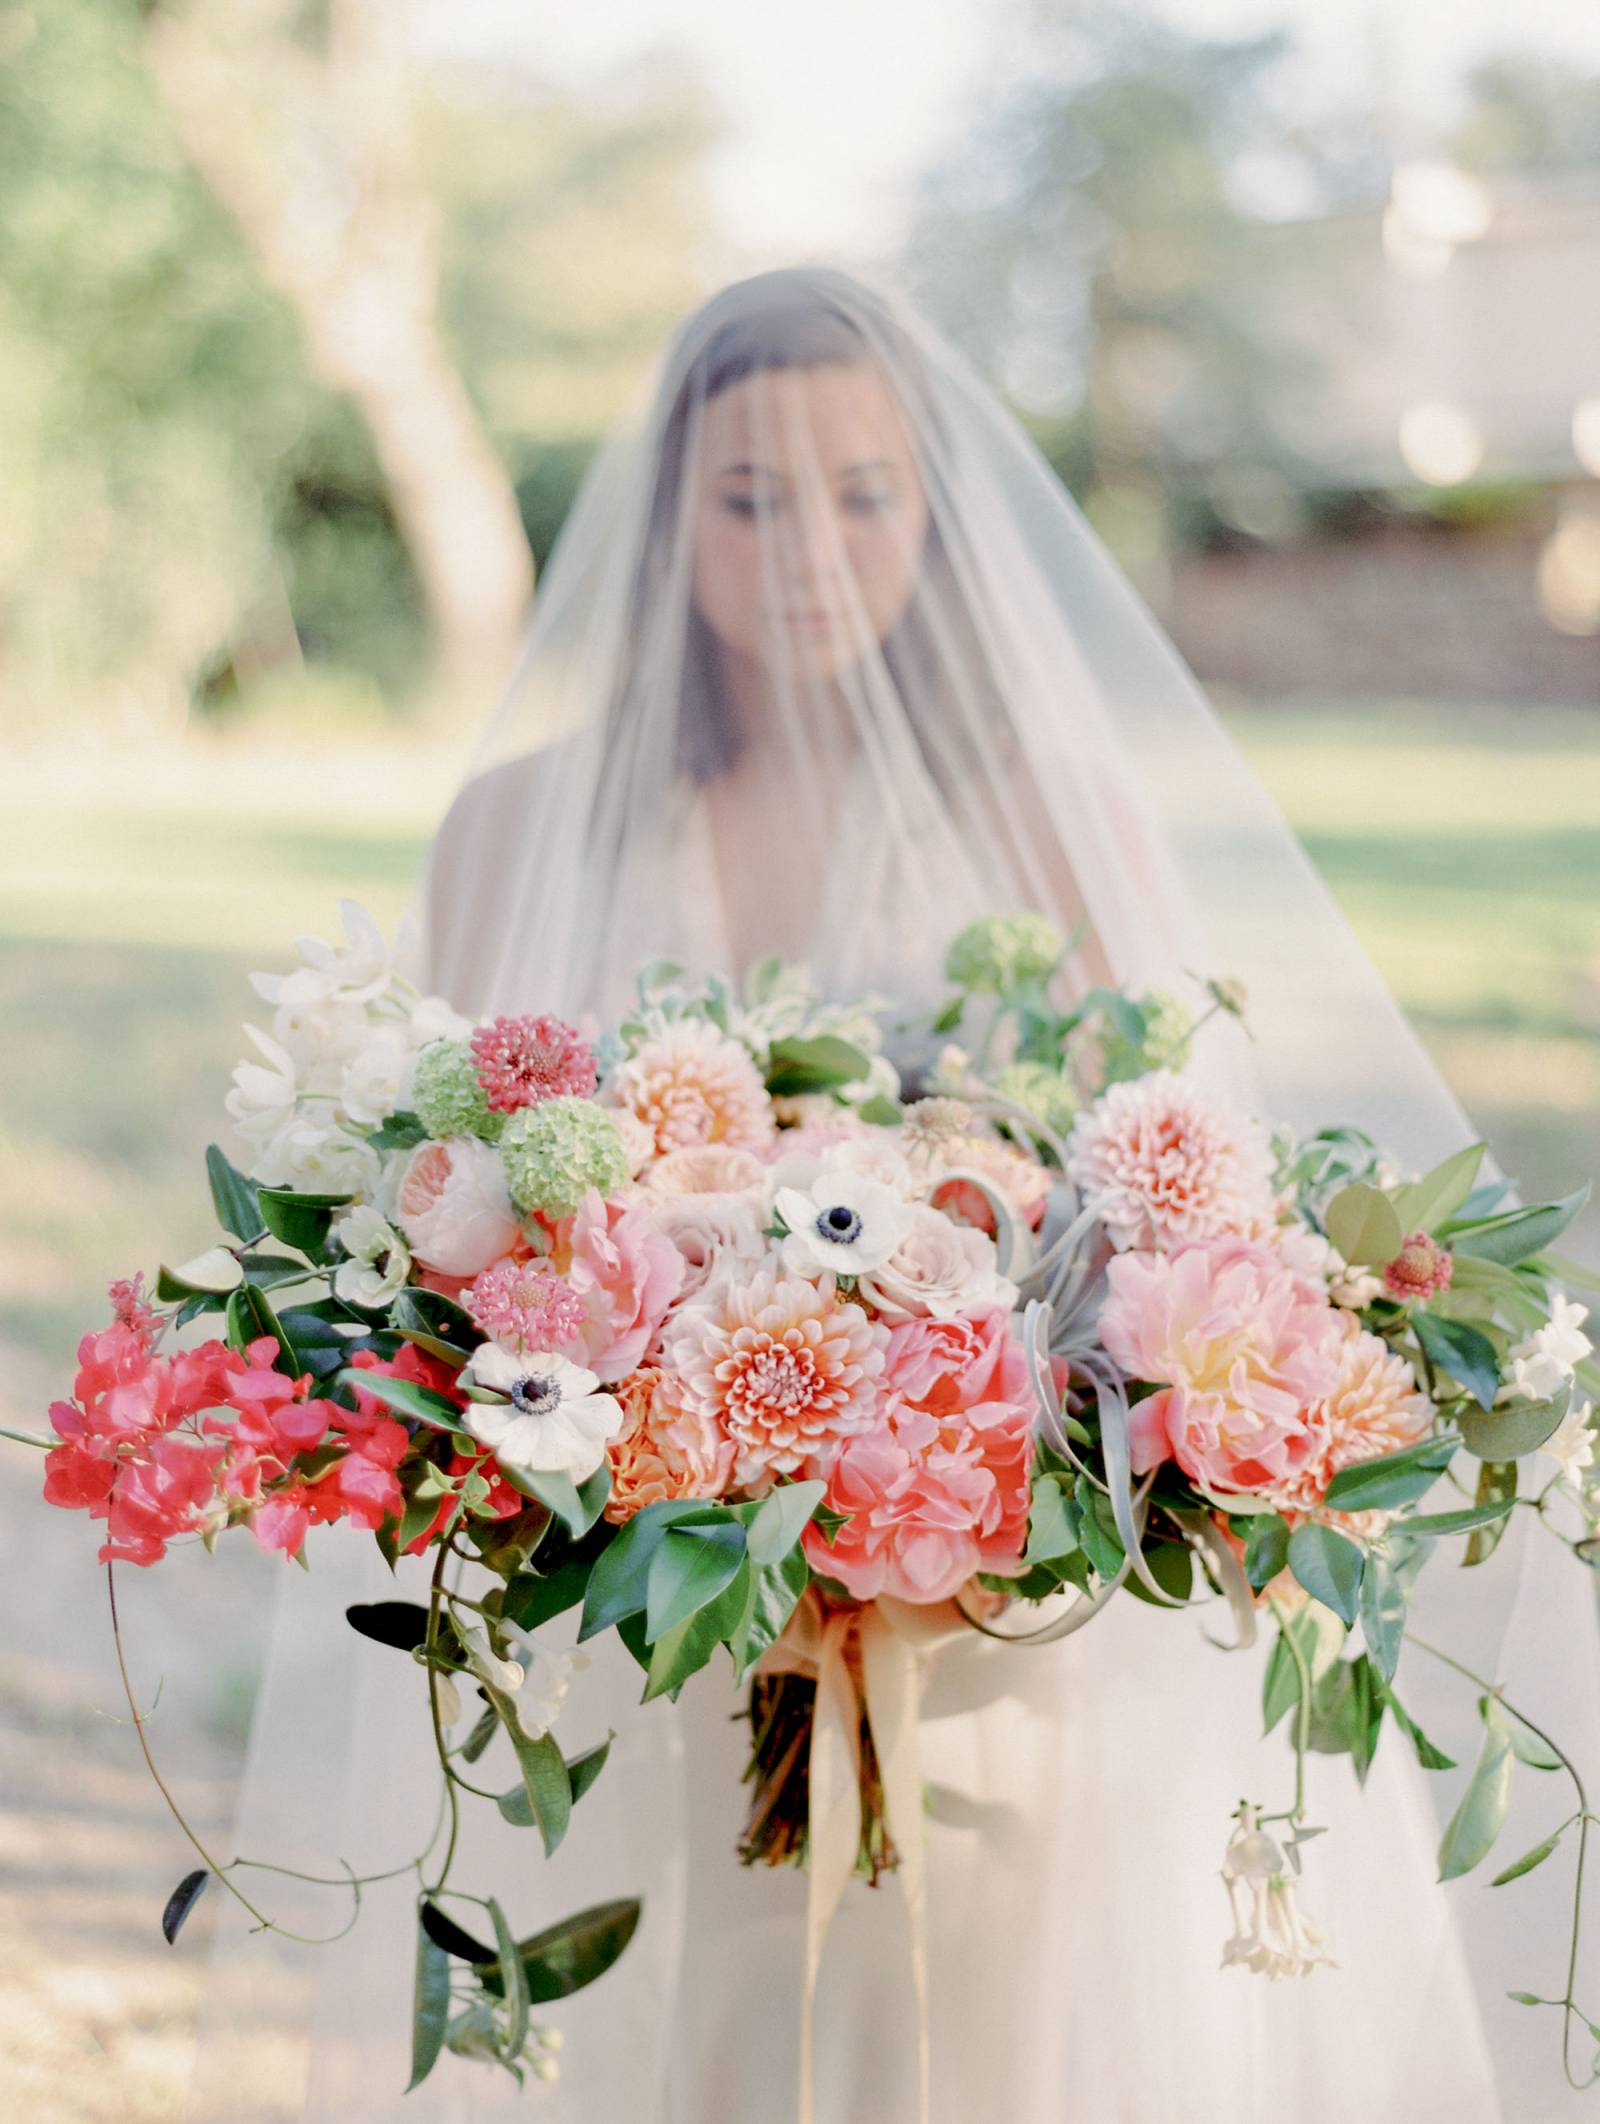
x=523 y=1060
x=1166 y=1164
x=691 y=1084
x=781 y=1365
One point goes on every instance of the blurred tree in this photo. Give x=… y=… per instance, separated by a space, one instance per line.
x=300 y=118
x=1095 y=239
x=1529 y=113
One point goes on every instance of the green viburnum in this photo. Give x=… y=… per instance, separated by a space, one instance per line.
x=1002 y=952
x=448 y=1099
x=1040 y=1091
x=556 y=1151
x=1168 y=1026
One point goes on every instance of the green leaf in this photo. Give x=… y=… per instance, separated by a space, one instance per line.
x=233 y=1197
x=1329 y=1567
x=783 y=1516
x=576 y=1505
x=402 y=1131
x=1266 y=1548
x=430 y=2006
x=1481 y=1814
x=1431 y=1524
x=685 y=1649
x=1171 y=1565
x=1430 y=1757
x=211 y=1274
x=1517 y=1428
x=401 y=1623
x=181 y=1901
x=477 y=1740
x=545 y=1784
x=450 y=1937
x=513 y=1984
x=1462 y=1351
x=300 y=1221
x=1362 y=1223
x=406 y=1397
x=1526 y=1864
x=687 y=1572
x=1098 y=1533
x=1523 y=1232
x=822 y=1063
x=1527 y=1746
x=1497 y=1479
x=434 y=1323
x=1052 y=1522
x=1425 y=1204
x=1390 y=1480
x=772 y=1594
x=531 y=1599
x=950 y=1017
x=618 y=1581
x=582 y=1770
x=1383 y=1613
x=571 y=1954
x=250 y=1316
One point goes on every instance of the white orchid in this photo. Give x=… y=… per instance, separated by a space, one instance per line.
x=555 y=1418
x=377 y=1078
x=1271 y=1933
x=379 y=1259
x=1542 y=1363
x=843 y=1223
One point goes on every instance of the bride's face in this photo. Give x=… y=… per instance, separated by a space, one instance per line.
x=810 y=519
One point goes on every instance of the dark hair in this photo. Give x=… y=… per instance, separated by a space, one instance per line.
x=800 y=326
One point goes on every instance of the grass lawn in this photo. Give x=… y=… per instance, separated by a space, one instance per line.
x=134 y=901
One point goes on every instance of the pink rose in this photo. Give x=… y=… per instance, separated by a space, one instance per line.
x=453 y=1206
x=627 y=1273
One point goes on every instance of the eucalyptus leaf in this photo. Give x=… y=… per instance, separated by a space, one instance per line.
x=1362 y=1223
x=1481 y=1813
x=1523 y=1232
x=1383 y=1613
x=430 y=2007
x=1423 y=1205
x=1518 y=1427
x=181 y=1901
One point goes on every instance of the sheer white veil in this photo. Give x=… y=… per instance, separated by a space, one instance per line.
x=826 y=662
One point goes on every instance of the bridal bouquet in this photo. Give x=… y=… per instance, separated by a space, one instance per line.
x=709 y=1330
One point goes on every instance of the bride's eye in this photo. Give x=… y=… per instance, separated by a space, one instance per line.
x=750 y=506
x=872 y=503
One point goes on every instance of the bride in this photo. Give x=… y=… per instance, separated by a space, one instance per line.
x=825 y=665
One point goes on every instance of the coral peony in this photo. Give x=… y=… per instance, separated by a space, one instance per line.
x=1242 y=1351
x=781 y=1365
x=1165 y=1163
x=691 y=1084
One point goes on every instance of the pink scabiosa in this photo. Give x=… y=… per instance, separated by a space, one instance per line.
x=691 y=1084
x=525 y=1305
x=1243 y=1354
x=520 y=1061
x=1166 y=1164
x=1422 y=1269
x=780 y=1365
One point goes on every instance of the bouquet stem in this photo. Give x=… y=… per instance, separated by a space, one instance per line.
x=780 y=1711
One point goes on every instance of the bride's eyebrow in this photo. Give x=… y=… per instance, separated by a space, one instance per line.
x=867 y=464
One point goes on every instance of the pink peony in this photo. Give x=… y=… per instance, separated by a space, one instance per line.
x=942 y=1489
x=781 y=1366
x=626 y=1273
x=523 y=1060
x=1242 y=1350
x=691 y=1084
x=1166 y=1164
x=454 y=1208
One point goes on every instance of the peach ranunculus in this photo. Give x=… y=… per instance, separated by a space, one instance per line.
x=668 y=1450
x=941 y=1490
x=781 y=1365
x=713 y=1233
x=454 y=1208
x=627 y=1274
x=691 y=1084
x=1242 y=1351
x=939 y=1269
x=1165 y=1163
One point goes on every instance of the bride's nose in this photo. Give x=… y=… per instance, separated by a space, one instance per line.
x=810 y=557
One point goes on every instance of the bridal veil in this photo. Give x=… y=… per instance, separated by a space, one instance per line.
x=825 y=664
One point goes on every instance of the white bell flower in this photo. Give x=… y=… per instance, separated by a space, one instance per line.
x=379 y=1262
x=1571 y=1444
x=1271 y=1933
x=1542 y=1363
x=556 y=1418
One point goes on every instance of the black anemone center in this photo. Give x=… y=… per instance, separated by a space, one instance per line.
x=535 y=1397
x=840 y=1223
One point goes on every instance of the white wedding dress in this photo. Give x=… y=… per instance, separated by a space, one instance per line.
x=1020 y=735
